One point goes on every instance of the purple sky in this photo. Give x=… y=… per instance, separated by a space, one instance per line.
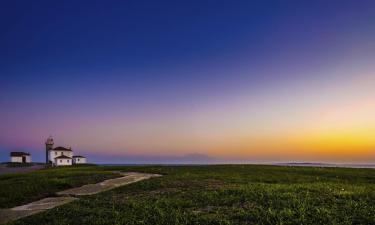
x=146 y=81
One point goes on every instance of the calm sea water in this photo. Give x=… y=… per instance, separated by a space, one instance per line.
x=372 y=166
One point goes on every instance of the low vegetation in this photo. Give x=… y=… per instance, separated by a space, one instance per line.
x=230 y=194
x=14 y=164
x=17 y=189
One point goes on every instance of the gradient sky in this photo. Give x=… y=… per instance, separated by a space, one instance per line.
x=168 y=81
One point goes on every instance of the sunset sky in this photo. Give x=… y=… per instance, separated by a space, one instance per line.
x=190 y=81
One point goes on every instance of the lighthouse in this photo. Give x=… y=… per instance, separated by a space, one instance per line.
x=49 y=146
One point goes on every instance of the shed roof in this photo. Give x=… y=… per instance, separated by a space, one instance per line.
x=62 y=157
x=19 y=153
x=62 y=149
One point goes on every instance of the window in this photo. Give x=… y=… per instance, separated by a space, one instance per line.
x=61 y=160
x=55 y=153
x=68 y=160
x=62 y=153
x=78 y=159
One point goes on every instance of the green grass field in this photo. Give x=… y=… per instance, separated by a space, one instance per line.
x=230 y=194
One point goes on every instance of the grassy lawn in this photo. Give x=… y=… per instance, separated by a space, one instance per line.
x=17 y=189
x=235 y=194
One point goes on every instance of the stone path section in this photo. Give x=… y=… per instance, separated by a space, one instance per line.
x=91 y=189
x=7 y=215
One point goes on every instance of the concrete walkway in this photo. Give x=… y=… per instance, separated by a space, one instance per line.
x=7 y=215
x=91 y=189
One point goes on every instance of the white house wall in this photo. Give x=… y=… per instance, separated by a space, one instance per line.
x=79 y=160
x=53 y=154
x=16 y=159
x=63 y=162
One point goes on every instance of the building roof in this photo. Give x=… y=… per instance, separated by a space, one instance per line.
x=78 y=156
x=19 y=153
x=62 y=157
x=62 y=149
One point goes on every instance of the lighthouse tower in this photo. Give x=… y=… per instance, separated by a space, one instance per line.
x=49 y=146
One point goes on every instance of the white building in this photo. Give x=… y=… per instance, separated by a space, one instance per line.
x=59 y=151
x=63 y=160
x=20 y=157
x=77 y=159
x=60 y=156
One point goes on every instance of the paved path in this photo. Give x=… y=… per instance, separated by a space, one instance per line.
x=91 y=189
x=7 y=215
